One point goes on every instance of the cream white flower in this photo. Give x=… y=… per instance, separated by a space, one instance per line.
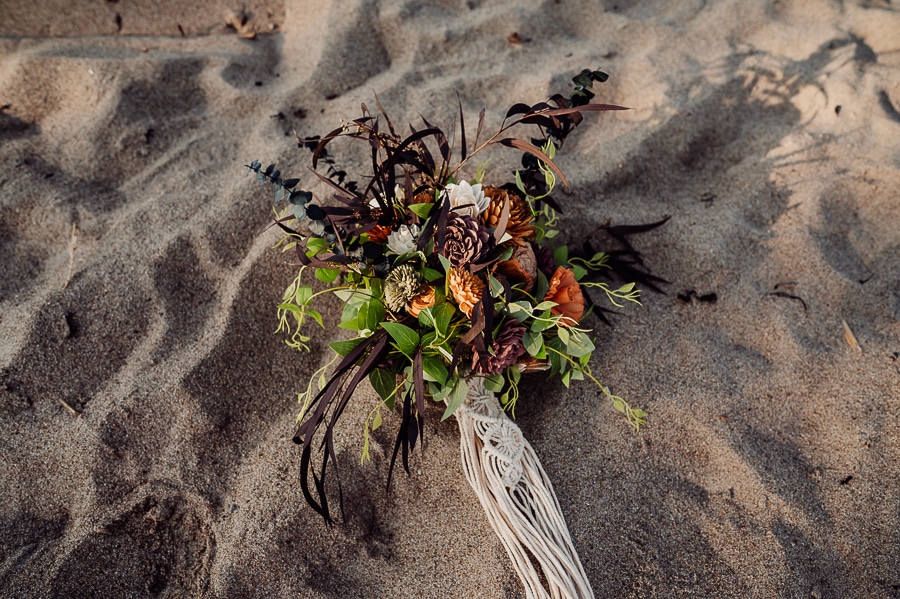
x=403 y=240
x=399 y=196
x=470 y=196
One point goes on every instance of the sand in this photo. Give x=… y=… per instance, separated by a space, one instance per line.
x=147 y=405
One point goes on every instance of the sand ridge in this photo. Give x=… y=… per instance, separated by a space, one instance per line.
x=147 y=405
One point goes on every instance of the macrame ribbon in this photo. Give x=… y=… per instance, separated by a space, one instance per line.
x=518 y=499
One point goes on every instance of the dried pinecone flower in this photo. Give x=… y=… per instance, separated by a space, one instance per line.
x=507 y=348
x=400 y=286
x=465 y=240
x=466 y=289
x=519 y=224
x=421 y=301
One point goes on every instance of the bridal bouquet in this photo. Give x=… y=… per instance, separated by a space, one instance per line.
x=444 y=273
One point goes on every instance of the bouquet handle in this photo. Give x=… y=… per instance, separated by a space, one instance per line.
x=518 y=499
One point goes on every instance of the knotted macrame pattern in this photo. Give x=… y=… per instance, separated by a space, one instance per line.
x=518 y=499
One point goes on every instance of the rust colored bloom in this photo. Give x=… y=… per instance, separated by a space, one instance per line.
x=466 y=289
x=421 y=301
x=379 y=234
x=519 y=225
x=566 y=292
x=425 y=196
x=506 y=349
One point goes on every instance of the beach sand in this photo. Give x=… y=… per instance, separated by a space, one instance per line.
x=147 y=405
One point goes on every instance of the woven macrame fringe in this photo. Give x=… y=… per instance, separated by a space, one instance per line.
x=518 y=499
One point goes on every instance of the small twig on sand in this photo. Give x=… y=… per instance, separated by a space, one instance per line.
x=850 y=338
x=73 y=240
x=69 y=407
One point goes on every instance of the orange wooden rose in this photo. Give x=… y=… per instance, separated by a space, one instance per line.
x=421 y=301
x=566 y=292
x=466 y=289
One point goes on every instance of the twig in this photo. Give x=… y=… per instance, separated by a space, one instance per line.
x=72 y=245
x=69 y=407
x=849 y=337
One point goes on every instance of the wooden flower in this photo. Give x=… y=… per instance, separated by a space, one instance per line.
x=466 y=289
x=421 y=301
x=566 y=292
x=519 y=225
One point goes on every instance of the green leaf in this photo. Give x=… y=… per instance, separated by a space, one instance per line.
x=315 y=245
x=351 y=324
x=362 y=317
x=563 y=335
x=376 y=421
x=346 y=295
x=542 y=325
x=431 y=275
x=496 y=286
x=456 y=398
x=426 y=319
x=557 y=363
x=374 y=313
x=315 y=315
x=434 y=370
x=440 y=391
x=534 y=342
x=578 y=344
x=521 y=311
x=542 y=286
x=327 y=275
x=342 y=348
x=443 y=314
x=545 y=305
x=303 y=295
x=619 y=405
x=421 y=210
x=383 y=381
x=561 y=255
x=579 y=272
x=406 y=338
x=444 y=262
x=291 y=308
x=494 y=382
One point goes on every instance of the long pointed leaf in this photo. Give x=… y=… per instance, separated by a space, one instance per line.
x=519 y=144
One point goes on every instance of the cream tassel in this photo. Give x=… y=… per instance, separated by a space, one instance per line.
x=518 y=499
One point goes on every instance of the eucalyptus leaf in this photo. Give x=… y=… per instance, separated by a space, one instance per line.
x=533 y=342
x=494 y=382
x=578 y=344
